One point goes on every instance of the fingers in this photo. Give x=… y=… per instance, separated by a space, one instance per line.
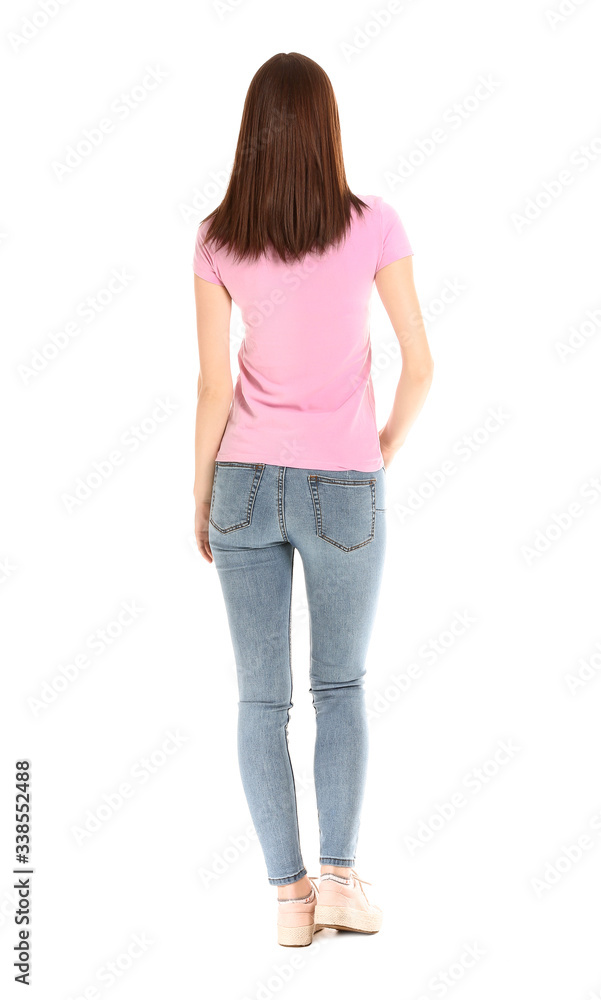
x=204 y=548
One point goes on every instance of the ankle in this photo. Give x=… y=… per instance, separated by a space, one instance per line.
x=342 y=872
x=295 y=890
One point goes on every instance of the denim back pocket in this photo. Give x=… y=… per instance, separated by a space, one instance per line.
x=345 y=510
x=235 y=486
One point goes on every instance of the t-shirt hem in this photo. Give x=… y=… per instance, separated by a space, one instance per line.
x=315 y=466
x=392 y=260
x=213 y=281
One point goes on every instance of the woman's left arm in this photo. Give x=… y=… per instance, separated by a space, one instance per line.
x=215 y=391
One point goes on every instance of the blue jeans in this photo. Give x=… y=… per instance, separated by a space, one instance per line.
x=337 y=521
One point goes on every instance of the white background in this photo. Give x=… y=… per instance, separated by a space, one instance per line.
x=490 y=534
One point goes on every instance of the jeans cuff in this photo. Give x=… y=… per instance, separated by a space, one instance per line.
x=287 y=879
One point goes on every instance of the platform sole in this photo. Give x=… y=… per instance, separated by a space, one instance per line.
x=343 y=918
x=295 y=937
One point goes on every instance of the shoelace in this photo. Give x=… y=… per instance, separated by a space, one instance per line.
x=337 y=878
x=359 y=879
x=362 y=882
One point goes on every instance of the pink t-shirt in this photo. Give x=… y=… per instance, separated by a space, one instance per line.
x=304 y=396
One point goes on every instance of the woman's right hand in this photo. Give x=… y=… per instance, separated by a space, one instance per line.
x=387 y=452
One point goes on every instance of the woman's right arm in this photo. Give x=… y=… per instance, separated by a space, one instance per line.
x=396 y=289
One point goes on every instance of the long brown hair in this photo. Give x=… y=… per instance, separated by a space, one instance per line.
x=288 y=189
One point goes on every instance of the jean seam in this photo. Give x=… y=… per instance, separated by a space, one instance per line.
x=326 y=859
x=288 y=710
x=281 y=478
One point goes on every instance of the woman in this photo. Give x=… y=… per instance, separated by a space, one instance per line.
x=292 y=459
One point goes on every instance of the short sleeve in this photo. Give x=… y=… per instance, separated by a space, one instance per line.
x=395 y=243
x=204 y=263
